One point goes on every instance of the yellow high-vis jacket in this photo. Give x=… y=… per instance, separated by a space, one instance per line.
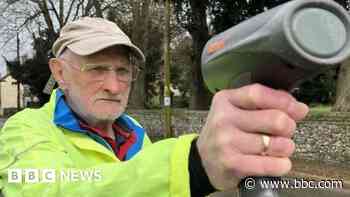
x=44 y=153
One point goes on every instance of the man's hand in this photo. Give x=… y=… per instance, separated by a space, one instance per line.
x=231 y=144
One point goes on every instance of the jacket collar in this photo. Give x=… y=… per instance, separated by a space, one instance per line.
x=64 y=116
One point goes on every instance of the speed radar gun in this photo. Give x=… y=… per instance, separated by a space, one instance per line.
x=279 y=48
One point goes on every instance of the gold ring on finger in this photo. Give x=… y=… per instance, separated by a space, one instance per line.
x=266 y=142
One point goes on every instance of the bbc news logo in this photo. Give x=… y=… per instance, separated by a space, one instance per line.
x=53 y=175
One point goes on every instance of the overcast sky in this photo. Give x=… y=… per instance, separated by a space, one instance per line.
x=8 y=42
x=9 y=50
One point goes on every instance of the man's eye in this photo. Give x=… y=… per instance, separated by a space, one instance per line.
x=122 y=71
x=98 y=70
x=89 y=67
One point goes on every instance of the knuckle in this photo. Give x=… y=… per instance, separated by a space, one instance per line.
x=255 y=93
x=229 y=163
x=284 y=150
x=286 y=102
x=257 y=86
x=227 y=166
x=220 y=121
x=283 y=124
x=219 y=95
x=293 y=126
x=228 y=157
x=292 y=148
x=224 y=143
x=286 y=166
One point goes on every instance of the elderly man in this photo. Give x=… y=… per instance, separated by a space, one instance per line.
x=84 y=128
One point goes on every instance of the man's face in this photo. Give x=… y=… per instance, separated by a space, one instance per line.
x=97 y=96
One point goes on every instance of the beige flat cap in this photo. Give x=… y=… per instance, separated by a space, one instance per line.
x=89 y=35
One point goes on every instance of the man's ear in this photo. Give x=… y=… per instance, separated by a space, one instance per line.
x=56 y=67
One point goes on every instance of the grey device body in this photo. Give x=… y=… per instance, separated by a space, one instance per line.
x=279 y=48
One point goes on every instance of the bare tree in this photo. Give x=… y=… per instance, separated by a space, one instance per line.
x=140 y=28
x=40 y=22
x=36 y=15
x=193 y=17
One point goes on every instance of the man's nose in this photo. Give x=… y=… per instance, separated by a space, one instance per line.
x=112 y=84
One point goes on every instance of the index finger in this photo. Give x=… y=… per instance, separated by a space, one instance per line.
x=256 y=96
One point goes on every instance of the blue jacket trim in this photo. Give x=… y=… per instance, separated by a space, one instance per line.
x=64 y=116
x=140 y=134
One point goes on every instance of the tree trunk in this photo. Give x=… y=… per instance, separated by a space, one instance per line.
x=201 y=97
x=43 y=7
x=342 y=103
x=98 y=9
x=140 y=24
x=61 y=11
x=88 y=7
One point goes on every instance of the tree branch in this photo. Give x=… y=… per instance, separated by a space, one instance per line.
x=97 y=6
x=88 y=7
x=61 y=6
x=81 y=3
x=70 y=11
x=43 y=6
x=29 y=19
x=54 y=10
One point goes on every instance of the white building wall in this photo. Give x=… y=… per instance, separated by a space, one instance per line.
x=9 y=93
